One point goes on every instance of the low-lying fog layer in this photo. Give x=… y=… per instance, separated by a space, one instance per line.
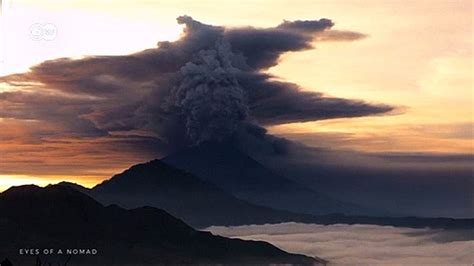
x=363 y=244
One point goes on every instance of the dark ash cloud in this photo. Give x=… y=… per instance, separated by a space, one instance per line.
x=209 y=96
x=208 y=85
x=275 y=102
x=306 y=26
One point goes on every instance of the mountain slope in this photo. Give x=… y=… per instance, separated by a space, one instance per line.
x=62 y=217
x=245 y=178
x=197 y=202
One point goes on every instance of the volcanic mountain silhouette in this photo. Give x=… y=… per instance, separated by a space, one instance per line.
x=240 y=175
x=197 y=202
x=60 y=217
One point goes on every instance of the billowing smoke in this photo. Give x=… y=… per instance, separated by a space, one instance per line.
x=211 y=84
x=209 y=96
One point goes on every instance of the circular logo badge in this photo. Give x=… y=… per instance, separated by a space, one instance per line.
x=46 y=32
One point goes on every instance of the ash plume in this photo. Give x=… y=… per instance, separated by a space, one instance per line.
x=209 y=85
x=211 y=101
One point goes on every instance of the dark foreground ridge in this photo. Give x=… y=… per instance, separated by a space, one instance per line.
x=60 y=217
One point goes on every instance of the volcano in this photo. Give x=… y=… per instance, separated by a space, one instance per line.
x=197 y=202
x=240 y=175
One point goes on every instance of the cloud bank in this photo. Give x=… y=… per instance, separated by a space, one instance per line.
x=363 y=244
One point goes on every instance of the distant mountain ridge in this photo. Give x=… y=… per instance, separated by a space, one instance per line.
x=59 y=216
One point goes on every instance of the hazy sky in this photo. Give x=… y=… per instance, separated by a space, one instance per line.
x=417 y=56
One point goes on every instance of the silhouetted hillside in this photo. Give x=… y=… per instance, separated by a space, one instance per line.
x=62 y=217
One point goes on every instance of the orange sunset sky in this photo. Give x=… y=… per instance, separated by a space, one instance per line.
x=417 y=56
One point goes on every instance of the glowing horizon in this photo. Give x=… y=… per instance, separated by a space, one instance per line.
x=8 y=181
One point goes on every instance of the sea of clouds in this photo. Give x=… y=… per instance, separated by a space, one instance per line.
x=362 y=244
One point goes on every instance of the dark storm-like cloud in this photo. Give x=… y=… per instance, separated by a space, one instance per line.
x=208 y=85
x=50 y=107
x=275 y=102
x=306 y=26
